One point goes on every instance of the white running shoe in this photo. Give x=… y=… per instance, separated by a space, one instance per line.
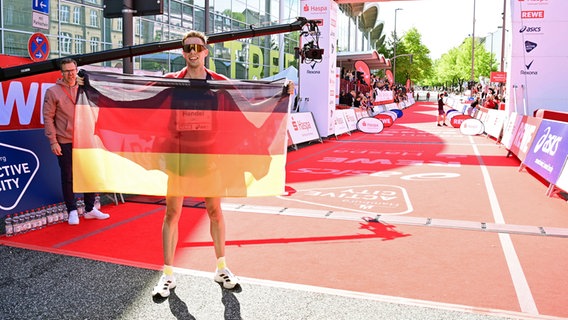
x=226 y=277
x=96 y=214
x=73 y=218
x=165 y=284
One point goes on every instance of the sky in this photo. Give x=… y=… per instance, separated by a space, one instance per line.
x=443 y=24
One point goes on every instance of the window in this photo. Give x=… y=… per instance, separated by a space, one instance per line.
x=64 y=42
x=77 y=15
x=79 y=45
x=94 y=19
x=95 y=44
x=64 y=14
x=118 y=24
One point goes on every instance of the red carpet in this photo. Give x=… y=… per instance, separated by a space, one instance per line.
x=412 y=169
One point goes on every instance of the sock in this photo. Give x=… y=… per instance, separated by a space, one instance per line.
x=221 y=264
x=168 y=270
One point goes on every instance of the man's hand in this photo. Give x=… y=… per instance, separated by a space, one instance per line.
x=56 y=149
x=81 y=78
x=290 y=87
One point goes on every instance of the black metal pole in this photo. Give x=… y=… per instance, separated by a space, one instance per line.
x=128 y=33
x=131 y=51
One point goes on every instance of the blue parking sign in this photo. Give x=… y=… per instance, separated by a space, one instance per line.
x=40 y=6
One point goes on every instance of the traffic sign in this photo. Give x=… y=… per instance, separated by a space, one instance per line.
x=40 y=6
x=38 y=47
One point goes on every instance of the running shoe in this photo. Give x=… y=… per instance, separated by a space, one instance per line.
x=165 y=284
x=226 y=277
x=96 y=214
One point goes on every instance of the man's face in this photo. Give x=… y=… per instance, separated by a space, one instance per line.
x=69 y=72
x=195 y=52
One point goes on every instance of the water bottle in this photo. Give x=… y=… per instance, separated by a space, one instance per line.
x=16 y=226
x=26 y=225
x=65 y=212
x=80 y=207
x=60 y=215
x=49 y=215
x=9 y=227
x=43 y=217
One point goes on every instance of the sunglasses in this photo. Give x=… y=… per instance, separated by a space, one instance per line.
x=197 y=47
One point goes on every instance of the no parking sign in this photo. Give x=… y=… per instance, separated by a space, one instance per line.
x=38 y=47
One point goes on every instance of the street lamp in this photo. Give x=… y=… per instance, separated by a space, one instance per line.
x=395 y=41
x=473 y=47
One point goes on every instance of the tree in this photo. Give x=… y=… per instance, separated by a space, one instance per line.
x=417 y=67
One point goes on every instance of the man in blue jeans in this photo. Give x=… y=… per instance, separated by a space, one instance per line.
x=59 y=115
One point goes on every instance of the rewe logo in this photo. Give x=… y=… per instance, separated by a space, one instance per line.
x=18 y=167
x=532 y=14
x=529 y=46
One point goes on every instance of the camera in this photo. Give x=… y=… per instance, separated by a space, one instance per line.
x=310 y=52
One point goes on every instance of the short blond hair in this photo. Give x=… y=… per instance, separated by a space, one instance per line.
x=195 y=34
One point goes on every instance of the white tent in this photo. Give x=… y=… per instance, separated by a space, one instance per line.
x=290 y=73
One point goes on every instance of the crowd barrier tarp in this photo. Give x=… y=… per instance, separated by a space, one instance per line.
x=383 y=96
x=549 y=150
x=562 y=181
x=524 y=136
x=494 y=122
x=30 y=173
x=302 y=128
x=510 y=129
x=350 y=118
x=340 y=124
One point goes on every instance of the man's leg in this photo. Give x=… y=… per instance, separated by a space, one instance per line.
x=217 y=228
x=170 y=228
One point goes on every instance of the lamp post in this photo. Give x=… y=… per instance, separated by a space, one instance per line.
x=473 y=47
x=503 y=37
x=395 y=42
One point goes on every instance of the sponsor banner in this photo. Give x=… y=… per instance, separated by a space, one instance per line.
x=510 y=129
x=494 y=122
x=340 y=124
x=370 y=125
x=524 y=136
x=21 y=99
x=471 y=127
x=497 y=76
x=29 y=177
x=457 y=120
x=302 y=127
x=350 y=118
x=383 y=96
x=538 y=60
x=386 y=119
x=549 y=150
x=319 y=96
x=562 y=181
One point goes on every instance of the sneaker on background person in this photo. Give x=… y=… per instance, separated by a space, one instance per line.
x=73 y=218
x=96 y=214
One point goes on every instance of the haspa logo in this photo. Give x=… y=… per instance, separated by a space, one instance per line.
x=530 y=29
x=300 y=125
x=532 y=14
x=317 y=9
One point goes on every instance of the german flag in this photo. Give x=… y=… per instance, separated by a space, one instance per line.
x=163 y=136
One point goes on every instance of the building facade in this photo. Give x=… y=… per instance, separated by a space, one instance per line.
x=75 y=27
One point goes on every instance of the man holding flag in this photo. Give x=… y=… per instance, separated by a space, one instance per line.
x=195 y=52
